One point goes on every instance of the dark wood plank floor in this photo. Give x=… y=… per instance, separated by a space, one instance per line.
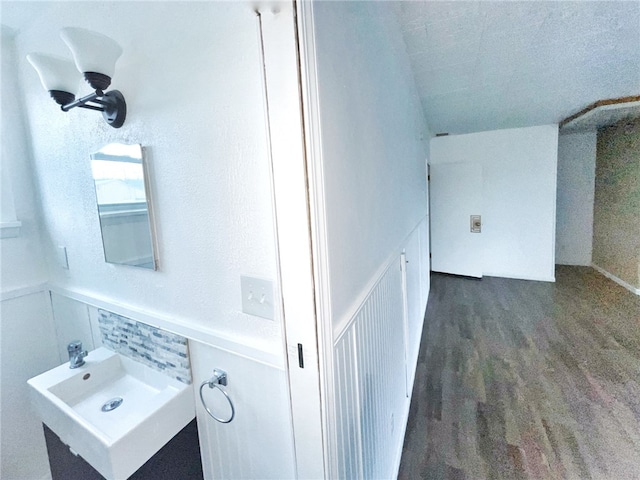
x=521 y=380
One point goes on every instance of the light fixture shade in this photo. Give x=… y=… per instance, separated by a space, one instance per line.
x=56 y=73
x=92 y=51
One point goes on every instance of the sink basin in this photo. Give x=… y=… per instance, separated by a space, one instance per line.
x=143 y=410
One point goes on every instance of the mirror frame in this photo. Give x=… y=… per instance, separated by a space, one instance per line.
x=148 y=200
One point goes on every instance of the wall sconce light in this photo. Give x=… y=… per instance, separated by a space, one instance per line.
x=95 y=57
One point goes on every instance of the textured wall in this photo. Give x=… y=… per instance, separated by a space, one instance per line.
x=26 y=324
x=22 y=258
x=616 y=215
x=374 y=143
x=191 y=75
x=576 y=178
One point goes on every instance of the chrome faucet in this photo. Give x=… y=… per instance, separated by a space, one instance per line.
x=76 y=354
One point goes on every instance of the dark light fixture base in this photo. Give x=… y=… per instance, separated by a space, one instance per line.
x=115 y=108
x=98 y=81
x=111 y=104
x=61 y=97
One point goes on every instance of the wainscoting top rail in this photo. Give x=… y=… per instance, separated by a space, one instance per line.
x=179 y=326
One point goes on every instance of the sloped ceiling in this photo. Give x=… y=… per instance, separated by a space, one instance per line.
x=491 y=65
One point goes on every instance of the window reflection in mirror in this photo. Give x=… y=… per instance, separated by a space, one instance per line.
x=123 y=207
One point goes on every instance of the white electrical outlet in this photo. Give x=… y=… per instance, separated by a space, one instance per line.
x=257 y=297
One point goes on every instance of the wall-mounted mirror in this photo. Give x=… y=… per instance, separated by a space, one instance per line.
x=122 y=196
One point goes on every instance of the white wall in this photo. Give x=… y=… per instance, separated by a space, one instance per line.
x=371 y=192
x=576 y=182
x=374 y=144
x=74 y=321
x=22 y=259
x=191 y=74
x=26 y=325
x=519 y=196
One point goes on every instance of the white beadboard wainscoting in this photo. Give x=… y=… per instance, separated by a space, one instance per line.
x=375 y=358
x=370 y=382
x=26 y=350
x=418 y=278
x=258 y=442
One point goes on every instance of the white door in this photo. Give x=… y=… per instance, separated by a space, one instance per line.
x=456 y=200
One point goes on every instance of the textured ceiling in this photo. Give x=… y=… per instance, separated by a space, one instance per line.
x=490 y=65
x=486 y=65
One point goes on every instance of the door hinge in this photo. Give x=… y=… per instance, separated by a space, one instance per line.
x=429 y=254
x=428 y=178
x=300 y=356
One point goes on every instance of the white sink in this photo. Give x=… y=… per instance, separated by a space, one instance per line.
x=116 y=443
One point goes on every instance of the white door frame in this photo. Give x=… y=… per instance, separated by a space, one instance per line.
x=320 y=252
x=298 y=220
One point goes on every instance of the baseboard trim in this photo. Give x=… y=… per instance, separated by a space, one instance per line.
x=619 y=281
x=520 y=277
x=398 y=459
x=573 y=264
x=414 y=369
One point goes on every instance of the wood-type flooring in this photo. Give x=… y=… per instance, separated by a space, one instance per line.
x=527 y=380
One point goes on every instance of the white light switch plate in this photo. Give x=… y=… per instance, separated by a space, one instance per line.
x=257 y=296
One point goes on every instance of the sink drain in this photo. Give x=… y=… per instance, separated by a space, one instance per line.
x=112 y=404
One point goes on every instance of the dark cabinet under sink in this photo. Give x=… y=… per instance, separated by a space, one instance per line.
x=178 y=459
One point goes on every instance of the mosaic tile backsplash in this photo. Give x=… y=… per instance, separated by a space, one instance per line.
x=158 y=349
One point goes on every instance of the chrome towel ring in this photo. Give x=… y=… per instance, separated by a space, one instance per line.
x=218 y=380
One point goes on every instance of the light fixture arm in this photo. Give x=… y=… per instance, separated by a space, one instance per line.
x=111 y=104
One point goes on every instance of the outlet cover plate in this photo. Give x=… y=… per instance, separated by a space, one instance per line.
x=257 y=297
